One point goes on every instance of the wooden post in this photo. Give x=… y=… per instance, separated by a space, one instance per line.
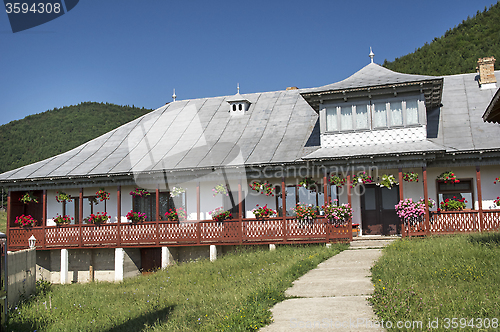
x=349 y=201
x=119 y=215
x=401 y=197
x=157 y=202
x=480 y=199
x=44 y=208
x=325 y=187
x=198 y=212
x=80 y=205
x=9 y=215
x=240 y=213
x=426 y=200
x=283 y=208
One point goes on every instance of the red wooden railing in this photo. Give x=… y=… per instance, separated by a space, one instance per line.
x=161 y=233
x=448 y=222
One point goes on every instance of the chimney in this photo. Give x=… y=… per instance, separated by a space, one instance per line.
x=292 y=88
x=486 y=69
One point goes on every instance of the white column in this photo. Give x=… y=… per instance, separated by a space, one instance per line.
x=213 y=252
x=165 y=257
x=328 y=245
x=64 y=266
x=272 y=246
x=119 y=258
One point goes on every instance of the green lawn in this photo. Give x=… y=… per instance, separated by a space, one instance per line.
x=3 y=221
x=234 y=293
x=444 y=282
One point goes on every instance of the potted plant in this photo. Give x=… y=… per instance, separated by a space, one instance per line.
x=455 y=204
x=220 y=189
x=261 y=212
x=177 y=191
x=448 y=176
x=361 y=178
x=412 y=212
x=497 y=201
x=410 y=177
x=309 y=184
x=337 y=214
x=219 y=214
x=337 y=180
x=102 y=195
x=262 y=187
x=62 y=220
x=176 y=214
x=63 y=197
x=136 y=216
x=305 y=212
x=98 y=218
x=28 y=198
x=137 y=192
x=25 y=221
x=388 y=181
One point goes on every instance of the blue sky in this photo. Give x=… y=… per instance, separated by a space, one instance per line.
x=132 y=52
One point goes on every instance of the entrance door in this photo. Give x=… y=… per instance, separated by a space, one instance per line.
x=377 y=210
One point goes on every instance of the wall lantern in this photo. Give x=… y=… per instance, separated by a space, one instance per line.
x=32 y=241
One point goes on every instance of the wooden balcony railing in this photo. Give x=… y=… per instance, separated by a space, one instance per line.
x=162 y=233
x=448 y=222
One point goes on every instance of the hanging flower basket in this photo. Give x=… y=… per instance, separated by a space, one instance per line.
x=410 y=177
x=136 y=216
x=102 y=195
x=337 y=180
x=219 y=214
x=63 y=197
x=309 y=184
x=62 y=220
x=28 y=198
x=263 y=187
x=388 y=181
x=177 y=191
x=176 y=214
x=137 y=192
x=361 y=178
x=25 y=221
x=98 y=218
x=220 y=189
x=261 y=212
x=496 y=180
x=448 y=177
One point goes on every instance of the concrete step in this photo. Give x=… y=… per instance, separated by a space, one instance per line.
x=372 y=241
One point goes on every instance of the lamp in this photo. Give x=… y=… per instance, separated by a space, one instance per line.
x=32 y=241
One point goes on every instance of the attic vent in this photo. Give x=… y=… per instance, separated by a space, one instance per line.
x=486 y=69
x=238 y=104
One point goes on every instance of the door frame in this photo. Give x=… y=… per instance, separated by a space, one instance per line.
x=386 y=220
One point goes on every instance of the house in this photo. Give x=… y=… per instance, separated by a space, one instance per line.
x=210 y=153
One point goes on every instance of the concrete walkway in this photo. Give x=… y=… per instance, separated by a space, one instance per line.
x=332 y=297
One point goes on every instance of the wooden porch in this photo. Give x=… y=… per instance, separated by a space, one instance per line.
x=192 y=233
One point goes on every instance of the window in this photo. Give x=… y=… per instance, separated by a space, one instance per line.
x=147 y=204
x=460 y=190
x=296 y=195
x=372 y=115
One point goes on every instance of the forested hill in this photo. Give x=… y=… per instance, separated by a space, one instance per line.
x=40 y=136
x=458 y=50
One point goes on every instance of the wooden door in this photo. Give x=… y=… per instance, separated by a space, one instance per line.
x=377 y=210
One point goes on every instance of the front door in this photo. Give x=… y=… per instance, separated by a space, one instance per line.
x=377 y=210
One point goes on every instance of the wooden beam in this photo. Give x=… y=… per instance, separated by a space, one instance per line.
x=479 y=198
x=157 y=202
x=198 y=212
x=44 y=207
x=80 y=207
x=325 y=187
x=349 y=194
x=9 y=215
x=119 y=204
x=401 y=197
x=426 y=200
x=283 y=208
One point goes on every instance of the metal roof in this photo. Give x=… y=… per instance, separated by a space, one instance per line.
x=492 y=113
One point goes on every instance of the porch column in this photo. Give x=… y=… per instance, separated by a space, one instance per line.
x=480 y=199
x=325 y=187
x=157 y=202
x=80 y=205
x=283 y=209
x=213 y=252
x=119 y=259
x=426 y=200
x=240 y=213
x=349 y=201
x=198 y=201
x=64 y=266
x=166 y=257
x=44 y=208
x=401 y=197
x=119 y=212
x=9 y=214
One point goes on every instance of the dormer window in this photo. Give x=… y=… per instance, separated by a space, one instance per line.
x=238 y=104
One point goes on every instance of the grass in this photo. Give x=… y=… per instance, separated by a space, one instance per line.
x=233 y=293
x=3 y=221
x=436 y=279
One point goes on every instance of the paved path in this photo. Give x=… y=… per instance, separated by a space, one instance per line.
x=332 y=297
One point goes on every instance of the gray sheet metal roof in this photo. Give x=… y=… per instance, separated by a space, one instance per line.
x=190 y=134
x=492 y=113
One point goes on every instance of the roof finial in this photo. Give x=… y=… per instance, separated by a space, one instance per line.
x=174 y=96
x=238 y=87
x=371 y=55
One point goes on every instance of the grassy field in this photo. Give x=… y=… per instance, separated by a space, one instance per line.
x=3 y=221
x=234 y=293
x=447 y=283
